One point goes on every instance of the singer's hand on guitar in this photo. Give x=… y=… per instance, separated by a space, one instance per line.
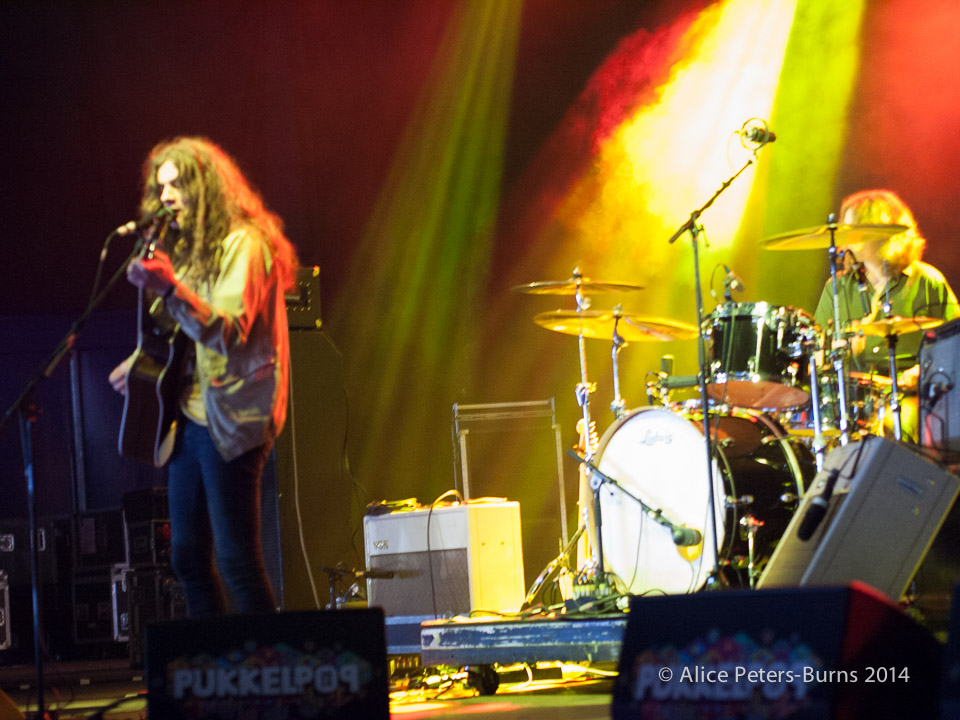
x=118 y=377
x=154 y=273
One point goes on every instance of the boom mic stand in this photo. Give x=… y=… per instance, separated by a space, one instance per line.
x=27 y=411
x=692 y=225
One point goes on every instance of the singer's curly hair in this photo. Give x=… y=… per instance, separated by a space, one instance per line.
x=886 y=207
x=219 y=200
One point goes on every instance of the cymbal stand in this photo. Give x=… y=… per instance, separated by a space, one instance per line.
x=835 y=350
x=595 y=575
x=894 y=390
x=618 y=406
x=819 y=447
x=892 y=354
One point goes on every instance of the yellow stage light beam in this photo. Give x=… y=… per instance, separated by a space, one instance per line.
x=408 y=320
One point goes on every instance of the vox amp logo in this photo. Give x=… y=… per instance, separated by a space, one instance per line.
x=381 y=544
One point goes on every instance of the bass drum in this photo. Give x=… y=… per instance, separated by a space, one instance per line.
x=659 y=456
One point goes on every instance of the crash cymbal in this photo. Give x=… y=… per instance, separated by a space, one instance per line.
x=599 y=324
x=893 y=326
x=570 y=287
x=818 y=238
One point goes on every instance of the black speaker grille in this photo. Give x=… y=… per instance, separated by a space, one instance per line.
x=410 y=591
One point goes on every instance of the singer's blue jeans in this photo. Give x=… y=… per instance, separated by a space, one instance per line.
x=215 y=514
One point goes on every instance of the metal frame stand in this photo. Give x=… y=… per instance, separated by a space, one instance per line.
x=695 y=229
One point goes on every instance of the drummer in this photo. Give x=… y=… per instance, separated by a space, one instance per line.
x=882 y=270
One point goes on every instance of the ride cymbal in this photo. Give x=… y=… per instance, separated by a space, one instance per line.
x=818 y=238
x=600 y=324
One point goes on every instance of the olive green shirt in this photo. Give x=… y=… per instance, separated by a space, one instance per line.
x=920 y=291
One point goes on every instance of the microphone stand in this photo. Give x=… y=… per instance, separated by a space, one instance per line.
x=694 y=228
x=657 y=515
x=27 y=412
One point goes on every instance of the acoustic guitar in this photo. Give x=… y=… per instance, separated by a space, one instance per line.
x=153 y=378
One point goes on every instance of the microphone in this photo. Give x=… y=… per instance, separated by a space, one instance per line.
x=932 y=392
x=163 y=213
x=818 y=508
x=684 y=536
x=735 y=282
x=672 y=382
x=755 y=131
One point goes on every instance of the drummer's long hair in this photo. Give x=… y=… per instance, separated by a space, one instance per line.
x=886 y=207
x=220 y=201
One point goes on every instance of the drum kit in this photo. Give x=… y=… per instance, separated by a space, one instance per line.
x=777 y=395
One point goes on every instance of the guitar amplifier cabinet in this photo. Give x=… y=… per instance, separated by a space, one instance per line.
x=472 y=559
x=887 y=506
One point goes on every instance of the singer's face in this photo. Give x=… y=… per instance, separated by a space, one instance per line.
x=170 y=193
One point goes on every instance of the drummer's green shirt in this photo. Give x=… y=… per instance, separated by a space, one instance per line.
x=920 y=291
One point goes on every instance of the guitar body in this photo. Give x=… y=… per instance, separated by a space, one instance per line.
x=153 y=379
x=151 y=402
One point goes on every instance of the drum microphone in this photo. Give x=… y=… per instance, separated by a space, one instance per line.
x=735 y=282
x=818 y=508
x=684 y=536
x=672 y=382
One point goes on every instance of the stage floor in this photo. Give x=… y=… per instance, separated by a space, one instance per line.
x=77 y=690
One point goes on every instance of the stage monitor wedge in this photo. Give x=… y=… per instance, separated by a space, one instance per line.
x=309 y=664
x=887 y=505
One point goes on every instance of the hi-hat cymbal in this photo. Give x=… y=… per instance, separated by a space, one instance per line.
x=600 y=323
x=870 y=379
x=818 y=238
x=570 y=287
x=893 y=326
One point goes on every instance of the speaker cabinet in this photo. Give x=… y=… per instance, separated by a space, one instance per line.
x=832 y=653
x=450 y=560
x=939 y=393
x=887 y=506
x=533 y=477
x=319 y=664
x=305 y=498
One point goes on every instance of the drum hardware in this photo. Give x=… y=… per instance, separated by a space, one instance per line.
x=553 y=572
x=577 y=323
x=751 y=525
x=890 y=328
x=651 y=452
x=819 y=445
x=828 y=237
x=576 y=286
x=756 y=351
x=682 y=535
x=618 y=405
x=601 y=324
x=695 y=229
x=836 y=353
x=831 y=234
x=732 y=502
